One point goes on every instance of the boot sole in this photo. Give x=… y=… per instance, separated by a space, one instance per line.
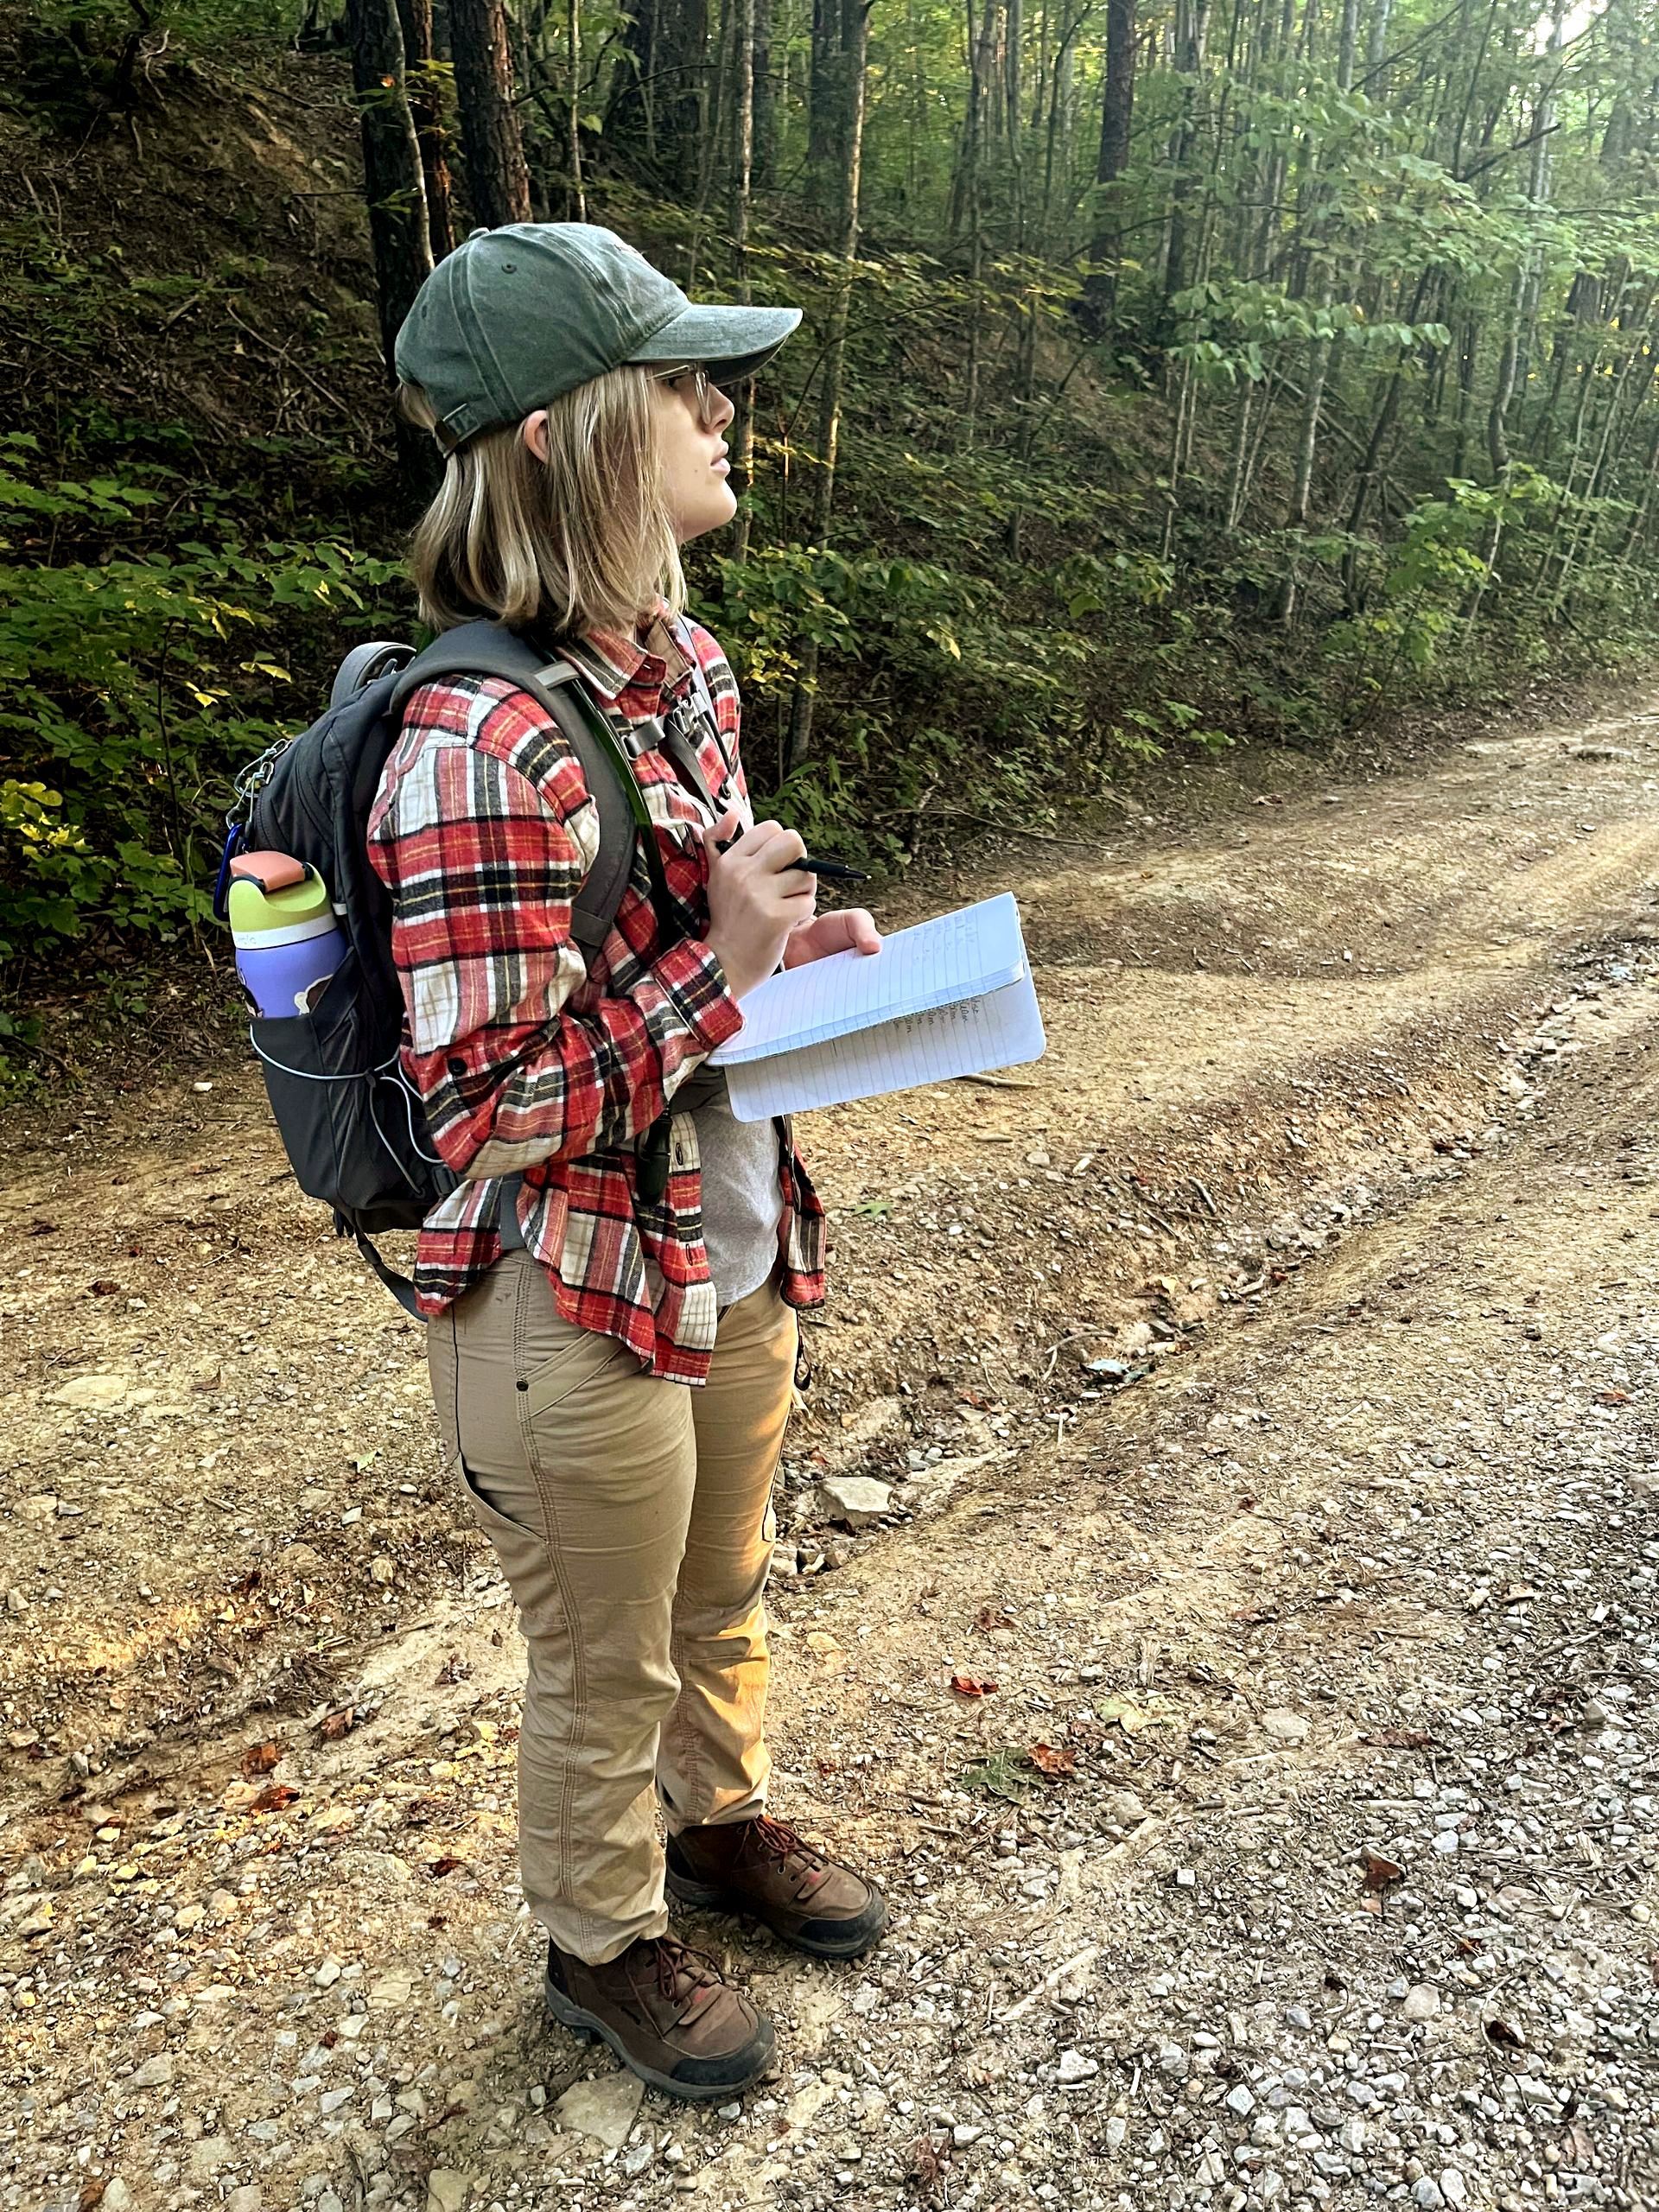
x=570 y=2015
x=707 y=1896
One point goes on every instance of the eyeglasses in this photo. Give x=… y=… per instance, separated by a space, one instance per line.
x=703 y=388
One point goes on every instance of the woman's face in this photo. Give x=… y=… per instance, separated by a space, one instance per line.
x=694 y=467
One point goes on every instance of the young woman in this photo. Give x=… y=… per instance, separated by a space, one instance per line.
x=612 y=1360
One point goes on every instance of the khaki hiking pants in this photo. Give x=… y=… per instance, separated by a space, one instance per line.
x=632 y=1519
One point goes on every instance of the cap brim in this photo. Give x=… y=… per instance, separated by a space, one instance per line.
x=729 y=341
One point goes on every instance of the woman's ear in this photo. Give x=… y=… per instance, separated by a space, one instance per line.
x=533 y=431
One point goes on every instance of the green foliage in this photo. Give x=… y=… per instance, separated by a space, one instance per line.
x=131 y=689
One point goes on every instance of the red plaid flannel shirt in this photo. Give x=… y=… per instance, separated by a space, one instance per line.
x=528 y=1061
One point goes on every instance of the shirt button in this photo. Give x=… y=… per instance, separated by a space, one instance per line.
x=457 y=1067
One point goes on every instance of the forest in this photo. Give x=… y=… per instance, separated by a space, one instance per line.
x=1177 y=375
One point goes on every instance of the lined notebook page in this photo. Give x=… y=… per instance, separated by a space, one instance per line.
x=974 y=951
x=997 y=1029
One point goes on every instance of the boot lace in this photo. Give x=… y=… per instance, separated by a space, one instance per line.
x=682 y=1974
x=777 y=1840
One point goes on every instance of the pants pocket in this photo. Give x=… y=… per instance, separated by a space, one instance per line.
x=523 y=1553
x=582 y=1357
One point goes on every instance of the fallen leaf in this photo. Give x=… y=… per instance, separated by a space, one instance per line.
x=104 y=1288
x=925 y=2166
x=1505 y=2037
x=971 y=1685
x=447 y=1864
x=247 y=1584
x=1255 y=1616
x=998 y=1776
x=1613 y=1397
x=1055 y=1763
x=274 y=1800
x=1379 y=1871
x=1399 y=1739
x=50 y=1228
x=92 y=2192
x=990 y=1617
x=333 y=1725
x=1128 y=1715
x=259 y=1758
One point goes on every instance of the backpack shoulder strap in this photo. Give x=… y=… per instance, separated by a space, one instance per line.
x=489 y=649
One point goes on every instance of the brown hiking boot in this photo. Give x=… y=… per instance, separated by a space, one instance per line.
x=762 y=1867
x=667 y=2013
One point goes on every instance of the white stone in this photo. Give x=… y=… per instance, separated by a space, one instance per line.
x=153 y=2074
x=856 y=1501
x=1075 y=2067
x=1240 y=2100
x=1453 y=2188
x=447 y=2191
x=1421 y=2003
x=1287 y=1727
x=93 y=1390
x=606 y=2108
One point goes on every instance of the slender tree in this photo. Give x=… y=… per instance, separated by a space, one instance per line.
x=425 y=83
x=853 y=67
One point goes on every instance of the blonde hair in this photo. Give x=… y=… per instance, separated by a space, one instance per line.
x=583 y=541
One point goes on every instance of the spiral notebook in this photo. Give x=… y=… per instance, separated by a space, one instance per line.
x=953 y=996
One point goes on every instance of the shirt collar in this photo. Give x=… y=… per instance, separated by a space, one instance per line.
x=650 y=667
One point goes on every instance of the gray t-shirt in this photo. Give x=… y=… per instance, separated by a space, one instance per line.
x=742 y=1198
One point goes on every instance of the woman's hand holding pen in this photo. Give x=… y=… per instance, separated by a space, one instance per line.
x=758 y=897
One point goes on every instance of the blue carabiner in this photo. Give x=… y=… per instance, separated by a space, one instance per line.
x=234 y=837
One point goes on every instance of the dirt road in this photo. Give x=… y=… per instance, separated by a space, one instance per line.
x=1262 y=1393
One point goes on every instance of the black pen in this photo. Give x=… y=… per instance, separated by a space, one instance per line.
x=830 y=871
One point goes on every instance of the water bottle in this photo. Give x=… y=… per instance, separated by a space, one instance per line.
x=288 y=941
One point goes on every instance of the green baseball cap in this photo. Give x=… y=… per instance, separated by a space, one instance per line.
x=515 y=316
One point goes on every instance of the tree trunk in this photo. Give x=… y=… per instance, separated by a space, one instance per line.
x=1192 y=22
x=964 y=183
x=656 y=104
x=1307 y=441
x=497 y=183
x=743 y=85
x=763 y=165
x=577 y=195
x=1099 y=304
x=856 y=26
x=395 y=197
x=822 y=86
x=426 y=108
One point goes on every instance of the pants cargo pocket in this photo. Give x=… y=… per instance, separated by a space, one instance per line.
x=523 y=1553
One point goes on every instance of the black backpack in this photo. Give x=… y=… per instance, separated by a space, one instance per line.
x=354 y=1129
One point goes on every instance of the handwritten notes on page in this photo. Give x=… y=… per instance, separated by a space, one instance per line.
x=950 y=997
